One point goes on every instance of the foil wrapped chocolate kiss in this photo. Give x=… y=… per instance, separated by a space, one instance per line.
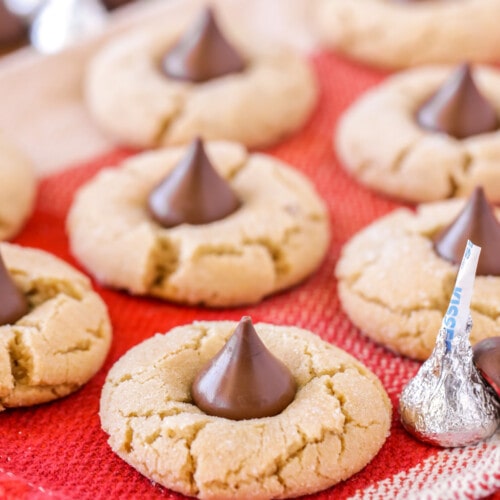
x=487 y=360
x=244 y=380
x=448 y=403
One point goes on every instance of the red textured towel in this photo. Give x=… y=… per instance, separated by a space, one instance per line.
x=58 y=450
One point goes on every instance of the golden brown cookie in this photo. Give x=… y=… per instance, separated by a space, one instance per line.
x=17 y=189
x=130 y=97
x=61 y=342
x=398 y=33
x=275 y=239
x=336 y=424
x=396 y=288
x=380 y=143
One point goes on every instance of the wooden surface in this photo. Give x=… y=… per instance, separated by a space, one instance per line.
x=42 y=108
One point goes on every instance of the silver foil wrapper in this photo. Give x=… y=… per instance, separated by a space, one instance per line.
x=448 y=403
x=58 y=24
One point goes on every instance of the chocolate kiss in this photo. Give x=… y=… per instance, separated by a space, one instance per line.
x=476 y=222
x=244 y=380
x=487 y=360
x=193 y=193
x=458 y=108
x=12 y=28
x=13 y=303
x=202 y=53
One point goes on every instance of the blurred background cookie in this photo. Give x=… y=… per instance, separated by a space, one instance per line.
x=402 y=33
x=17 y=189
x=426 y=134
x=155 y=86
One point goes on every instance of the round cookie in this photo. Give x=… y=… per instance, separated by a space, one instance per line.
x=336 y=424
x=380 y=143
x=130 y=98
x=396 y=288
x=398 y=33
x=275 y=239
x=17 y=189
x=63 y=340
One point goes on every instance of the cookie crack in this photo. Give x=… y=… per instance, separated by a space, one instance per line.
x=399 y=159
x=454 y=178
x=298 y=453
x=484 y=311
x=216 y=251
x=194 y=344
x=164 y=262
x=161 y=414
x=42 y=290
x=97 y=333
x=5 y=226
x=128 y=436
x=348 y=419
x=164 y=125
x=342 y=368
x=84 y=345
x=21 y=362
x=275 y=249
x=192 y=460
x=437 y=305
x=296 y=208
x=310 y=363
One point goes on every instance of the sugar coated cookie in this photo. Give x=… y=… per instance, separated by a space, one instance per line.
x=401 y=33
x=164 y=85
x=380 y=141
x=62 y=338
x=273 y=238
x=17 y=189
x=396 y=277
x=336 y=423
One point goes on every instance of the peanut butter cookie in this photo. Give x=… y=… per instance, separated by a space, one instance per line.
x=63 y=338
x=395 y=285
x=337 y=422
x=380 y=141
x=402 y=33
x=153 y=86
x=17 y=189
x=276 y=238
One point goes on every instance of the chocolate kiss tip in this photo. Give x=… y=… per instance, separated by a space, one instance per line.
x=244 y=380
x=476 y=222
x=193 y=193
x=202 y=53
x=458 y=108
x=13 y=304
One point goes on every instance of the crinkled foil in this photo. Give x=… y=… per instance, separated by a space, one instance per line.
x=58 y=24
x=448 y=403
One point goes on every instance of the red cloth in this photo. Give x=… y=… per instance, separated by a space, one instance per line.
x=58 y=450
